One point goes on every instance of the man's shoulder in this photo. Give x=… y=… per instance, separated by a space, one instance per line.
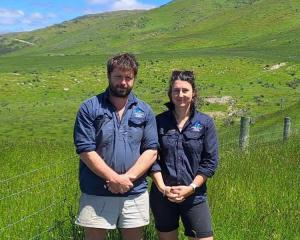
x=93 y=101
x=143 y=105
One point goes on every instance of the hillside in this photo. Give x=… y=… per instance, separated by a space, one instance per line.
x=245 y=51
x=223 y=26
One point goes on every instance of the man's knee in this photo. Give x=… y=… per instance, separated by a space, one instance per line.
x=132 y=233
x=94 y=233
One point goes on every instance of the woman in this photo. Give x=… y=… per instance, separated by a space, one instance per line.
x=188 y=155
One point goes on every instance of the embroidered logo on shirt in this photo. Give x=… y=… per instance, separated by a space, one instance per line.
x=138 y=113
x=197 y=127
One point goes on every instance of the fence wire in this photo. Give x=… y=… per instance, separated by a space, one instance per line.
x=29 y=189
x=49 y=229
x=30 y=215
x=33 y=171
x=232 y=142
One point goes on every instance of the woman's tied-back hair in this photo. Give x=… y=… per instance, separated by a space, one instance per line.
x=187 y=76
x=124 y=61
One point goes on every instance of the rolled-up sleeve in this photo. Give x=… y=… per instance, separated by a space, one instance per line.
x=209 y=158
x=84 y=130
x=150 y=139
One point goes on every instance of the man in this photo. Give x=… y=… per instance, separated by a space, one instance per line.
x=116 y=137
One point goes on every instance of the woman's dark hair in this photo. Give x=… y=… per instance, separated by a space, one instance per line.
x=187 y=76
x=124 y=61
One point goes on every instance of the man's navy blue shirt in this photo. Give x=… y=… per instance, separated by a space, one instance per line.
x=118 y=142
x=186 y=153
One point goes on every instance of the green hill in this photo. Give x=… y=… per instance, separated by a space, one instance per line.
x=243 y=50
x=223 y=26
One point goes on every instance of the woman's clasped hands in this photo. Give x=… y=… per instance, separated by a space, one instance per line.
x=177 y=194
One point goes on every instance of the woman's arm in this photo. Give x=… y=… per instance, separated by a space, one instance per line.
x=159 y=182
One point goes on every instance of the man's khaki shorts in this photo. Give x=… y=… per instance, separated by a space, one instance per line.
x=113 y=212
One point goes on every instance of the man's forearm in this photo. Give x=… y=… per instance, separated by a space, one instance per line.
x=142 y=165
x=97 y=165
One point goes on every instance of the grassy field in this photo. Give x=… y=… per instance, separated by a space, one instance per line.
x=254 y=195
x=47 y=91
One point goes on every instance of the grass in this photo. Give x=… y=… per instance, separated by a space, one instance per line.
x=47 y=91
x=254 y=195
x=38 y=188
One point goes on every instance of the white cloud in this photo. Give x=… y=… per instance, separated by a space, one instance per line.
x=130 y=5
x=36 y=16
x=51 y=15
x=9 y=17
x=98 y=1
x=91 y=11
x=33 y=18
x=17 y=20
x=113 y=5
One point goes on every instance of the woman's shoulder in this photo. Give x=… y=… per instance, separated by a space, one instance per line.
x=202 y=117
x=163 y=115
x=163 y=119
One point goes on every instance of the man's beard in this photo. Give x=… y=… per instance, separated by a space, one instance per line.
x=119 y=92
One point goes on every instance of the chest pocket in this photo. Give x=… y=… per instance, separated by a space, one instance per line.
x=193 y=141
x=104 y=129
x=136 y=128
x=168 y=138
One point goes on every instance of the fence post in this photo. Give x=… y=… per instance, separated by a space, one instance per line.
x=244 y=133
x=281 y=103
x=286 y=128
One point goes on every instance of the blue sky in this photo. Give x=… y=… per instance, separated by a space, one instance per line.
x=27 y=15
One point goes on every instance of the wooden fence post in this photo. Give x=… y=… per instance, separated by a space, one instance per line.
x=286 y=128
x=244 y=133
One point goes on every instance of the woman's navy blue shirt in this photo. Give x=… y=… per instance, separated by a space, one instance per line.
x=186 y=153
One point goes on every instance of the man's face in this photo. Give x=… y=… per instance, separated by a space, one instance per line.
x=121 y=82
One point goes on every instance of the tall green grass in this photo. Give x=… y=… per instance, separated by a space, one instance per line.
x=38 y=188
x=254 y=195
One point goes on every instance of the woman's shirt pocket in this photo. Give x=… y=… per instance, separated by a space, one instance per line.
x=193 y=141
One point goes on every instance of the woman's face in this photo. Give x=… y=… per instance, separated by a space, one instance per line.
x=182 y=94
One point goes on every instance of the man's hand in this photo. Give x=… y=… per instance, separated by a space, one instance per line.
x=122 y=184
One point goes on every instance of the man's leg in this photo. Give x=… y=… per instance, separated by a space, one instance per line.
x=134 y=216
x=94 y=233
x=132 y=233
x=97 y=214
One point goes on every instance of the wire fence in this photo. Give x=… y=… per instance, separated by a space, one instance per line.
x=32 y=171
x=32 y=187
x=55 y=195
